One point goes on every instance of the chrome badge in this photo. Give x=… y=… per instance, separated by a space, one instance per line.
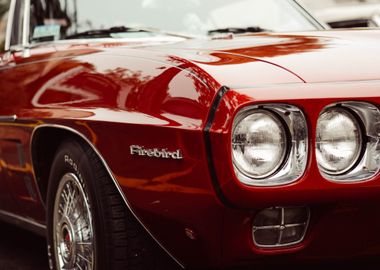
x=155 y=152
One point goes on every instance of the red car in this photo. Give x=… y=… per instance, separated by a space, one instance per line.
x=220 y=133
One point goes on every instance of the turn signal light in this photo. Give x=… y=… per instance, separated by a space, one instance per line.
x=280 y=226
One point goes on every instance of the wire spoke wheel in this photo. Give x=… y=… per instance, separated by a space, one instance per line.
x=89 y=226
x=74 y=241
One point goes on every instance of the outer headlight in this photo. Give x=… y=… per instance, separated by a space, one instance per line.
x=259 y=144
x=339 y=141
x=269 y=145
x=348 y=141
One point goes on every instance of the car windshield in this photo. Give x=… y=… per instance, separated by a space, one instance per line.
x=61 y=19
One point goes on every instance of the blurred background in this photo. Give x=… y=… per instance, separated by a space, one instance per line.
x=346 y=13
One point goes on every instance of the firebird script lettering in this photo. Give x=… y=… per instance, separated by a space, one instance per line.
x=155 y=152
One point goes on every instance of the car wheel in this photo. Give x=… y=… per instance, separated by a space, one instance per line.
x=89 y=226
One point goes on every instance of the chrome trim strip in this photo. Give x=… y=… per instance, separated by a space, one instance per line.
x=110 y=174
x=278 y=226
x=8 y=118
x=310 y=15
x=25 y=28
x=23 y=222
x=8 y=34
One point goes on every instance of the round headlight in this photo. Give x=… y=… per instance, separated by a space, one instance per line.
x=259 y=144
x=338 y=142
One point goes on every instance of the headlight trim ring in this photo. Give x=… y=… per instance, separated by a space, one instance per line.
x=296 y=157
x=368 y=164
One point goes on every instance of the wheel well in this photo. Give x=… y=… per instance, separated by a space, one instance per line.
x=44 y=145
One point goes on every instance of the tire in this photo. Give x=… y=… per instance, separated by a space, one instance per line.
x=88 y=224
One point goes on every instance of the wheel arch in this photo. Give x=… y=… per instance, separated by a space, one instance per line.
x=43 y=150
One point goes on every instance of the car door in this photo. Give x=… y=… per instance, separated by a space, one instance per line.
x=6 y=203
x=18 y=192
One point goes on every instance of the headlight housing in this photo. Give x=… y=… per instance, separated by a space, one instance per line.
x=347 y=141
x=339 y=141
x=269 y=145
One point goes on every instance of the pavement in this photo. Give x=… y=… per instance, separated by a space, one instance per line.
x=21 y=250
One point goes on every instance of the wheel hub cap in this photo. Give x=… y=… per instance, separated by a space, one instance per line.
x=66 y=245
x=73 y=227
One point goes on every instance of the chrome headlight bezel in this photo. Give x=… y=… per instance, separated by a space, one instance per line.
x=295 y=160
x=367 y=164
x=356 y=155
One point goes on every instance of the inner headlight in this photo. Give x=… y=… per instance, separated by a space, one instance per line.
x=259 y=144
x=338 y=141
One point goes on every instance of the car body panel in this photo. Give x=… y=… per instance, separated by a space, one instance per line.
x=313 y=57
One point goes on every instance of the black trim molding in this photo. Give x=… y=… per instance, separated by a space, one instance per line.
x=210 y=120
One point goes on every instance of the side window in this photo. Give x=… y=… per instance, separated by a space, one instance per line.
x=49 y=20
x=4 y=7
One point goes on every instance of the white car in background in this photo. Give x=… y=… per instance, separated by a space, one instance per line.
x=346 y=13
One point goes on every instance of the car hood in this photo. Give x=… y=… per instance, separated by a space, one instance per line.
x=314 y=57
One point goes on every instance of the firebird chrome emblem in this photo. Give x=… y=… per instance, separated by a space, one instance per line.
x=155 y=152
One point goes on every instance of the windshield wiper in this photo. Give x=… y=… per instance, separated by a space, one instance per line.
x=104 y=33
x=238 y=30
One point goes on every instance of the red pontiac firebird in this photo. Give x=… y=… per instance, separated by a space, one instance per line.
x=145 y=133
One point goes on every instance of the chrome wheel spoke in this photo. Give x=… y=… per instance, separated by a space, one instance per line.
x=84 y=259
x=74 y=233
x=78 y=266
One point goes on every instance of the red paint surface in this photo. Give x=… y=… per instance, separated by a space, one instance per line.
x=160 y=96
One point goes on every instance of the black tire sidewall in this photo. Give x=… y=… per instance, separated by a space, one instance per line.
x=72 y=157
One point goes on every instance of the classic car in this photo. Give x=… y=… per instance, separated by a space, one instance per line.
x=150 y=134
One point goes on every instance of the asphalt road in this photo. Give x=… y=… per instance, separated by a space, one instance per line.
x=22 y=250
